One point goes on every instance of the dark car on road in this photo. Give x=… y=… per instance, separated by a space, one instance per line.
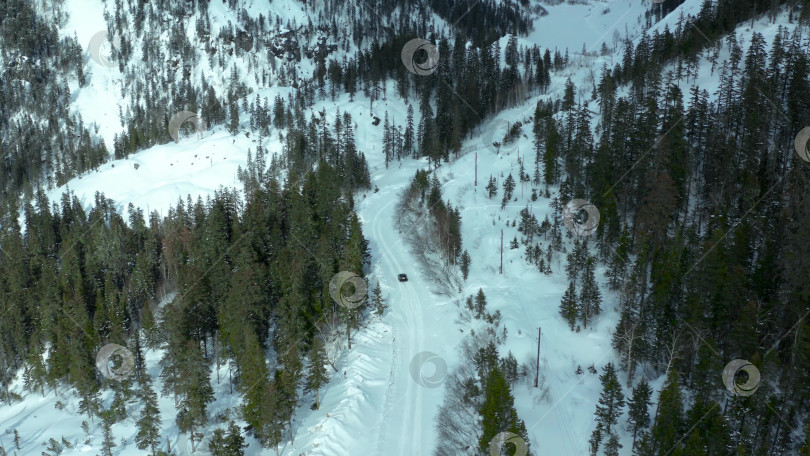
x=402 y=278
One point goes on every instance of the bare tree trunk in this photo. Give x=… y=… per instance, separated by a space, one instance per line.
x=673 y=351
x=631 y=365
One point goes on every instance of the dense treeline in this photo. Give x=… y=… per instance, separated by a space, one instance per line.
x=432 y=227
x=484 y=21
x=246 y=276
x=222 y=96
x=703 y=205
x=74 y=280
x=704 y=211
x=40 y=138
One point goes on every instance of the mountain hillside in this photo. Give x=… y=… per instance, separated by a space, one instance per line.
x=598 y=207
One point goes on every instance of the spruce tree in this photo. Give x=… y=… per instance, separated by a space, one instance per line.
x=317 y=375
x=666 y=430
x=377 y=300
x=611 y=401
x=492 y=187
x=149 y=423
x=195 y=391
x=508 y=187
x=253 y=374
x=480 y=304
x=287 y=381
x=464 y=263
x=109 y=441
x=612 y=446
x=568 y=306
x=408 y=137
x=574 y=261
x=596 y=439
x=590 y=297
x=498 y=412
x=230 y=444
x=638 y=414
x=271 y=431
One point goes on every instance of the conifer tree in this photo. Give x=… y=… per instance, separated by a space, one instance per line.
x=233 y=113
x=638 y=415
x=317 y=375
x=628 y=340
x=230 y=444
x=596 y=439
x=408 y=137
x=287 y=381
x=377 y=300
x=271 y=431
x=612 y=446
x=195 y=391
x=492 y=187
x=109 y=441
x=480 y=304
x=568 y=97
x=590 y=297
x=508 y=187
x=253 y=375
x=669 y=416
x=568 y=306
x=498 y=412
x=464 y=263
x=149 y=422
x=611 y=401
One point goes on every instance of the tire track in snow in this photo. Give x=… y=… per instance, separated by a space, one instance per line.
x=411 y=313
x=390 y=394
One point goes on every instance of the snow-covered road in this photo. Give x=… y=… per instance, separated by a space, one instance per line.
x=406 y=425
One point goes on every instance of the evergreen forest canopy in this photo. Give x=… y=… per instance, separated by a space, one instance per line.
x=703 y=236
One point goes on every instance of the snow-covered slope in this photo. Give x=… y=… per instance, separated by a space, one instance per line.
x=372 y=405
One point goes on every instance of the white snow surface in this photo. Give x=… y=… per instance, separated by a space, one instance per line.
x=372 y=405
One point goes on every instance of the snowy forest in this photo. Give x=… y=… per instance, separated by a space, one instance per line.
x=700 y=251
